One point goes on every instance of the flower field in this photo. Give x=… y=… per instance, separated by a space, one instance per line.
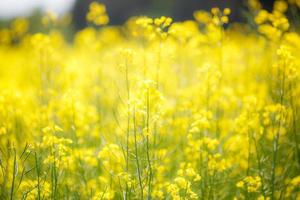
x=153 y=109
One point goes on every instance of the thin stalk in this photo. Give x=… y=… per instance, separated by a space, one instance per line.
x=14 y=177
x=53 y=177
x=148 y=148
x=38 y=175
x=128 y=122
x=275 y=151
x=294 y=113
x=259 y=166
x=249 y=157
x=137 y=156
x=276 y=139
x=249 y=153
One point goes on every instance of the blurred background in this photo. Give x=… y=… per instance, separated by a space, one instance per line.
x=120 y=10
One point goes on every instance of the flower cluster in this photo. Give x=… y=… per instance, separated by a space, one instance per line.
x=153 y=109
x=97 y=14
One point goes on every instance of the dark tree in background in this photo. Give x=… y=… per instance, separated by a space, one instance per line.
x=120 y=10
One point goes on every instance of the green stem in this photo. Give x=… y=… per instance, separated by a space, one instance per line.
x=137 y=156
x=14 y=176
x=148 y=148
x=128 y=122
x=38 y=175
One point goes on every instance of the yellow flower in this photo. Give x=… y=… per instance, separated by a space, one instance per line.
x=240 y=184
x=20 y=26
x=97 y=14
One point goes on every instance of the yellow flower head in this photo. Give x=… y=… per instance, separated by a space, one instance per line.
x=97 y=14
